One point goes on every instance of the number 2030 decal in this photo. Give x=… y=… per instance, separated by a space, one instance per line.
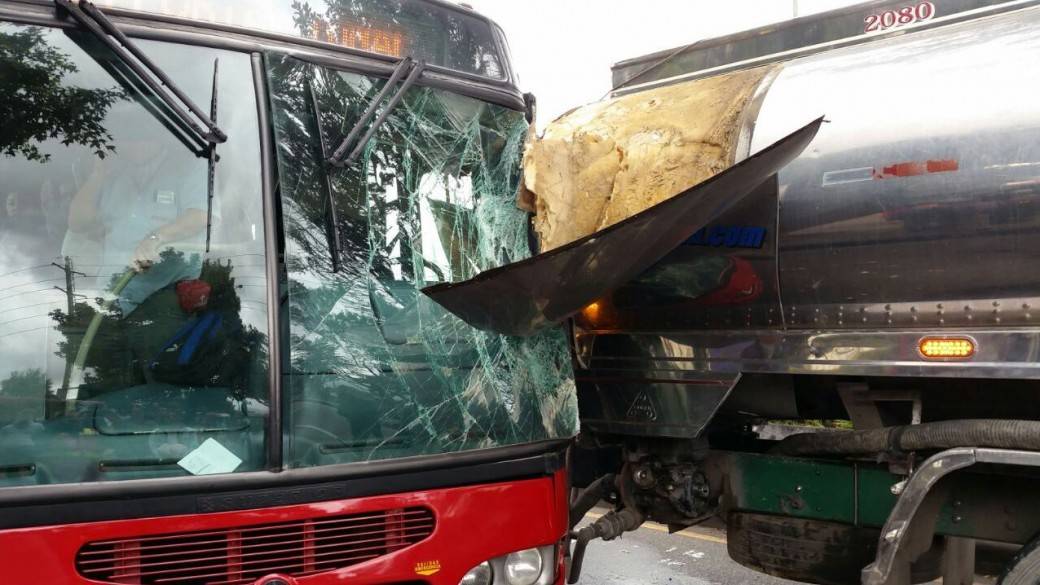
x=896 y=17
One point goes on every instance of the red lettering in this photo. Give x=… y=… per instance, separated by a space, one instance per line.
x=904 y=169
x=942 y=166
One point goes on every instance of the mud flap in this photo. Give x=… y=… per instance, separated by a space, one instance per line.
x=527 y=296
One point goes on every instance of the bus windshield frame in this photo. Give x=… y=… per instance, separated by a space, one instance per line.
x=254 y=409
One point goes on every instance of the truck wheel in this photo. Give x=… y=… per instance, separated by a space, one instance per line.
x=1024 y=568
x=813 y=551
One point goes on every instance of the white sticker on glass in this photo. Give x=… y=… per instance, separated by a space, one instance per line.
x=210 y=457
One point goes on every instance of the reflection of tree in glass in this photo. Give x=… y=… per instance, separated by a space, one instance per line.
x=365 y=338
x=35 y=106
x=124 y=345
x=437 y=36
x=22 y=390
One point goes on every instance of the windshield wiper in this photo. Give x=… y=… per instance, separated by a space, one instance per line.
x=136 y=90
x=149 y=74
x=331 y=218
x=337 y=159
x=211 y=166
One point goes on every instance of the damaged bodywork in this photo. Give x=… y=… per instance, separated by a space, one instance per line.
x=884 y=279
x=607 y=161
x=528 y=296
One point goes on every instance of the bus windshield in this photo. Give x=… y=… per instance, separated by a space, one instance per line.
x=134 y=341
x=377 y=369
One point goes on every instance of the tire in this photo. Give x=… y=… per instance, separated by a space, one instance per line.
x=813 y=551
x=1024 y=568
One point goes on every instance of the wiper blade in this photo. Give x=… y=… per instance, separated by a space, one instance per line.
x=158 y=81
x=331 y=217
x=337 y=159
x=211 y=167
x=139 y=92
x=396 y=76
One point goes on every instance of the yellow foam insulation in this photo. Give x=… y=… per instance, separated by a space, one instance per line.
x=607 y=161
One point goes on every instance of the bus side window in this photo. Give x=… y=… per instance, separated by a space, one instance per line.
x=118 y=296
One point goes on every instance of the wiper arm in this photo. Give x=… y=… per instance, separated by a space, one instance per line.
x=396 y=76
x=158 y=82
x=211 y=167
x=337 y=159
x=331 y=218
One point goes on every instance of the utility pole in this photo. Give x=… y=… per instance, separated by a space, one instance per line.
x=69 y=290
x=70 y=295
x=794 y=8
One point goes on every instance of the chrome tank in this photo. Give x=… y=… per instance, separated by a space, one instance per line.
x=915 y=212
x=918 y=205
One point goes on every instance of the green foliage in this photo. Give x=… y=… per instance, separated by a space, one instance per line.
x=35 y=105
x=26 y=384
x=122 y=346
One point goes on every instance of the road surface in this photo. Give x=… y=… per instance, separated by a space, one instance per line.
x=650 y=556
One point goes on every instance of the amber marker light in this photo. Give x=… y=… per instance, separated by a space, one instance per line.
x=952 y=348
x=597 y=315
x=592 y=312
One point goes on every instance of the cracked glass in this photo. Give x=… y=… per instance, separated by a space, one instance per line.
x=376 y=369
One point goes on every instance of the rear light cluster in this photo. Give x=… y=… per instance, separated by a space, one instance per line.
x=245 y=554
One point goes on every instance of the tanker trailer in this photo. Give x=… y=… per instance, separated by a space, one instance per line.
x=887 y=274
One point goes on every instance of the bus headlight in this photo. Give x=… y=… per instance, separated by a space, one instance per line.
x=531 y=566
x=479 y=575
x=523 y=567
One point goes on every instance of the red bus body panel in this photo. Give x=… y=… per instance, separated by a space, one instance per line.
x=473 y=524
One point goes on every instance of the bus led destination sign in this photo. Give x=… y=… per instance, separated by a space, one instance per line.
x=384 y=40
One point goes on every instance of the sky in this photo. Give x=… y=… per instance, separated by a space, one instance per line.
x=563 y=49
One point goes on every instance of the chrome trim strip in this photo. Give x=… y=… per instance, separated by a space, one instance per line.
x=1000 y=353
x=917 y=488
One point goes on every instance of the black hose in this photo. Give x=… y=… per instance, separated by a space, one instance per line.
x=590 y=496
x=998 y=434
x=580 y=543
x=608 y=527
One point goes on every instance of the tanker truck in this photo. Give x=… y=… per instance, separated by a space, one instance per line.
x=832 y=219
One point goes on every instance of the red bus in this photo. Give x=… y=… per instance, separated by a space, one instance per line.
x=215 y=362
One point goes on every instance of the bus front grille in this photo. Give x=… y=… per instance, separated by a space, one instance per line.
x=244 y=554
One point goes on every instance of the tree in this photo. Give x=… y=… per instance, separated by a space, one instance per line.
x=125 y=346
x=36 y=105
x=25 y=384
x=21 y=391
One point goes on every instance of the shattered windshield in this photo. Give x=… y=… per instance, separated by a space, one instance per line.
x=377 y=369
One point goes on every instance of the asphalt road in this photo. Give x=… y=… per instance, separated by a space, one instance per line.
x=650 y=556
